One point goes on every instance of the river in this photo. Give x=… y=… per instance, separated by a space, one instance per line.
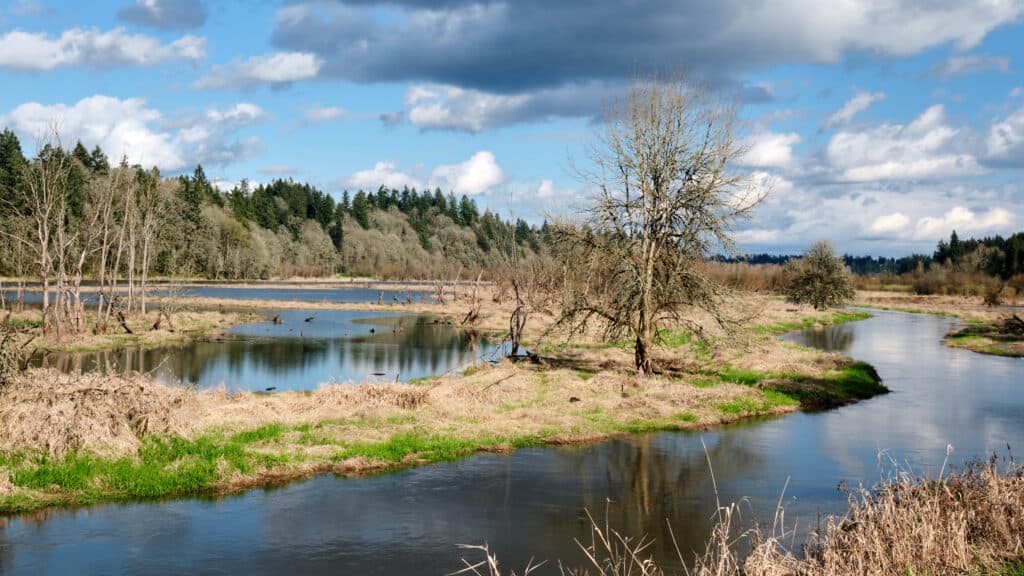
x=532 y=503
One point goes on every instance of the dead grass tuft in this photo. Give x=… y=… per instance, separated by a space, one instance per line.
x=107 y=415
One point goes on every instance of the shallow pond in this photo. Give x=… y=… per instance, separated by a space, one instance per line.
x=532 y=503
x=307 y=348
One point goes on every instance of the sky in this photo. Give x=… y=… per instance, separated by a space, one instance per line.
x=881 y=125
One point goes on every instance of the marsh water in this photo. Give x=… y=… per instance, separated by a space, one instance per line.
x=305 y=349
x=533 y=503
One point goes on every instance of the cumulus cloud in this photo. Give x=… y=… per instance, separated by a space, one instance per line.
x=476 y=175
x=859 y=103
x=770 y=150
x=964 y=221
x=890 y=223
x=89 y=47
x=132 y=129
x=1005 y=140
x=888 y=188
x=383 y=173
x=926 y=148
x=272 y=69
x=971 y=64
x=166 y=14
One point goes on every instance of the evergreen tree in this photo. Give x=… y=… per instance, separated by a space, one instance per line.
x=361 y=209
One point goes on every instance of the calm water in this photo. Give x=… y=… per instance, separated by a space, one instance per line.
x=334 y=345
x=531 y=503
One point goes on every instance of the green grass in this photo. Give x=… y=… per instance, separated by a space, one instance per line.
x=23 y=323
x=980 y=344
x=164 y=466
x=856 y=381
x=837 y=317
x=769 y=400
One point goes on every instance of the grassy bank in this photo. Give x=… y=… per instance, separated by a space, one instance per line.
x=126 y=439
x=992 y=338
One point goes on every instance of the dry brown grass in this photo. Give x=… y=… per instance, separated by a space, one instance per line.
x=107 y=415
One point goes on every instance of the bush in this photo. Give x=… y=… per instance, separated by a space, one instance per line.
x=819 y=278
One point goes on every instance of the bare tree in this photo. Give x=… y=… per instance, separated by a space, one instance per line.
x=43 y=197
x=665 y=199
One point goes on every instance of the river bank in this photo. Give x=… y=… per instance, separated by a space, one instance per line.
x=69 y=439
x=986 y=330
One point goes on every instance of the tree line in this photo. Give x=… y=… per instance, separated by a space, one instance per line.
x=71 y=215
x=992 y=255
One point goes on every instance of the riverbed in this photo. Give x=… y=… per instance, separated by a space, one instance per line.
x=533 y=503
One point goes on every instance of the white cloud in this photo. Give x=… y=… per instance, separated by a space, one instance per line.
x=324 y=113
x=271 y=69
x=890 y=223
x=453 y=108
x=479 y=174
x=964 y=221
x=971 y=64
x=382 y=174
x=130 y=128
x=93 y=48
x=1017 y=92
x=770 y=149
x=547 y=189
x=474 y=176
x=1005 y=141
x=859 y=103
x=447 y=107
x=927 y=148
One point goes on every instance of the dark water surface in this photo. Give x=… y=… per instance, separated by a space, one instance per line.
x=333 y=345
x=532 y=503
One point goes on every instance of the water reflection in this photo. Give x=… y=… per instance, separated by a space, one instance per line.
x=834 y=338
x=531 y=503
x=299 y=355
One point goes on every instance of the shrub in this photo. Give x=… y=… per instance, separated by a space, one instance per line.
x=819 y=278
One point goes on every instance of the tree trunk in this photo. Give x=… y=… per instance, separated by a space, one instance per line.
x=642 y=351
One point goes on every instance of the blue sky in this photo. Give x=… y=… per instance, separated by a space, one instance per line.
x=878 y=125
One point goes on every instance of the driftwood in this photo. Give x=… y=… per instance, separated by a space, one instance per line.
x=123 y=322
